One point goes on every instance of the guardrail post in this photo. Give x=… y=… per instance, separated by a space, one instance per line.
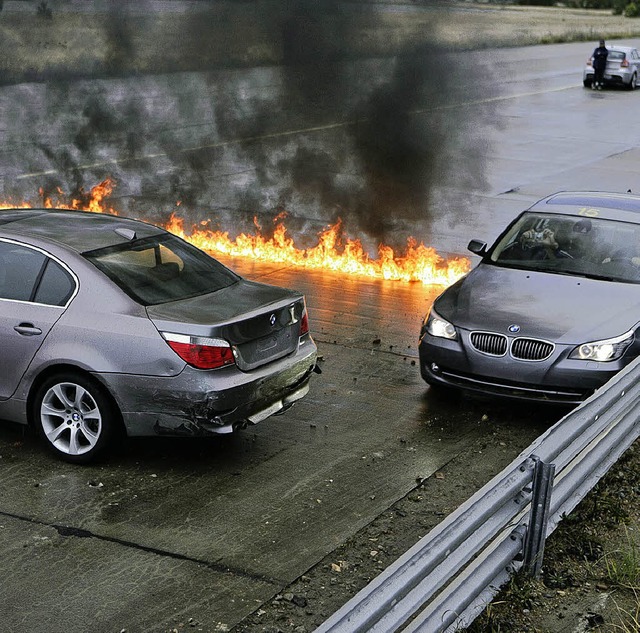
x=539 y=517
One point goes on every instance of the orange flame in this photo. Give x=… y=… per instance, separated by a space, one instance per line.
x=417 y=263
x=86 y=202
x=332 y=252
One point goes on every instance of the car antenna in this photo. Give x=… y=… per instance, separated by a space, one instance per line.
x=128 y=234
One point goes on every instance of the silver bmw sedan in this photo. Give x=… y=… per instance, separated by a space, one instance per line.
x=110 y=325
x=552 y=309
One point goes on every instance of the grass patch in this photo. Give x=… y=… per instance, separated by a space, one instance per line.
x=622 y=566
x=232 y=34
x=594 y=552
x=629 y=617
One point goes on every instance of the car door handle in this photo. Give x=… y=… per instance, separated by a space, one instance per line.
x=27 y=329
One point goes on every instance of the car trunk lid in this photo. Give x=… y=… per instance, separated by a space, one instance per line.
x=261 y=323
x=615 y=60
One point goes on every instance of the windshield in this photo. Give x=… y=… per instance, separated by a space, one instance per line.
x=161 y=268
x=572 y=245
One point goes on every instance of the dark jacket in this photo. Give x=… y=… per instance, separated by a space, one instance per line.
x=600 y=57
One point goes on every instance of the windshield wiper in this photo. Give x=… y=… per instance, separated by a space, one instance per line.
x=600 y=277
x=555 y=271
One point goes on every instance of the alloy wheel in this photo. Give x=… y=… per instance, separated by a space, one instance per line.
x=71 y=418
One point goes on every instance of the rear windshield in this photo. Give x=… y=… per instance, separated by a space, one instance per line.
x=615 y=55
x=161 y=268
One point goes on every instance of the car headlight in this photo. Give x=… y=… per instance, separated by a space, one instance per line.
x=606 y=350
x=437 y=326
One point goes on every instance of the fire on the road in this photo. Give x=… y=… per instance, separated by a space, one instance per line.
x=332 y=252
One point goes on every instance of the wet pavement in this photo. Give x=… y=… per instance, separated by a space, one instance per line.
x=210 y=529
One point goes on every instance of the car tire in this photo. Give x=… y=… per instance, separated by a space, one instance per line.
x=586 y=83
x=75 y=416
x=633 y=82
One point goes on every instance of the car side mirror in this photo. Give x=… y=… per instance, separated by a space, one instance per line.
x=478 y=247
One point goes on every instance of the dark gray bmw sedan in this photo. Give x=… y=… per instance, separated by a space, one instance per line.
x=551 y=310
x=109 y=324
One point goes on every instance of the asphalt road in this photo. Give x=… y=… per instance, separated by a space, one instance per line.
x=172 y=530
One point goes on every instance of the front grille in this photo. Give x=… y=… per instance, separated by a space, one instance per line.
x=489 y=343
x=494 y=344
x=531 y=349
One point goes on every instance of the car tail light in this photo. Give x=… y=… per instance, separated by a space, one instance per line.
x=589 y=62
x=304 y=323
x=200 y=352
x=624 y=63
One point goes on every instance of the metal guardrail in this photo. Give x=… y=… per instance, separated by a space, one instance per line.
x=448 y=577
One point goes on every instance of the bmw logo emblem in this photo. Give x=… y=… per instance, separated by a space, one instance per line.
x=514 y=329
x=272 y=319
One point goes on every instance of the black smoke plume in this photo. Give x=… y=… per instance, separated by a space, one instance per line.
x=397 y=112
x=306 y=106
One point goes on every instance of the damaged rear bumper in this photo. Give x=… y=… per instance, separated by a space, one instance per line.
x=197 y=402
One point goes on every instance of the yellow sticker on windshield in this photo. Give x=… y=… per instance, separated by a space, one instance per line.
x=590 y=212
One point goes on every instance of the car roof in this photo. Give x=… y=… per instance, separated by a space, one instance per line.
x=77 y=230
x=617 y=206
x=623 y=49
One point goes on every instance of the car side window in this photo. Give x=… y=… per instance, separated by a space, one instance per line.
x=56 y=285
x=20 y=270
x=29 y=275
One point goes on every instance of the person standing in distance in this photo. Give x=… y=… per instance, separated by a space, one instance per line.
x=599 y=61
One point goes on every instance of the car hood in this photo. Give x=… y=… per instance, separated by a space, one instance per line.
x=561 y=308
